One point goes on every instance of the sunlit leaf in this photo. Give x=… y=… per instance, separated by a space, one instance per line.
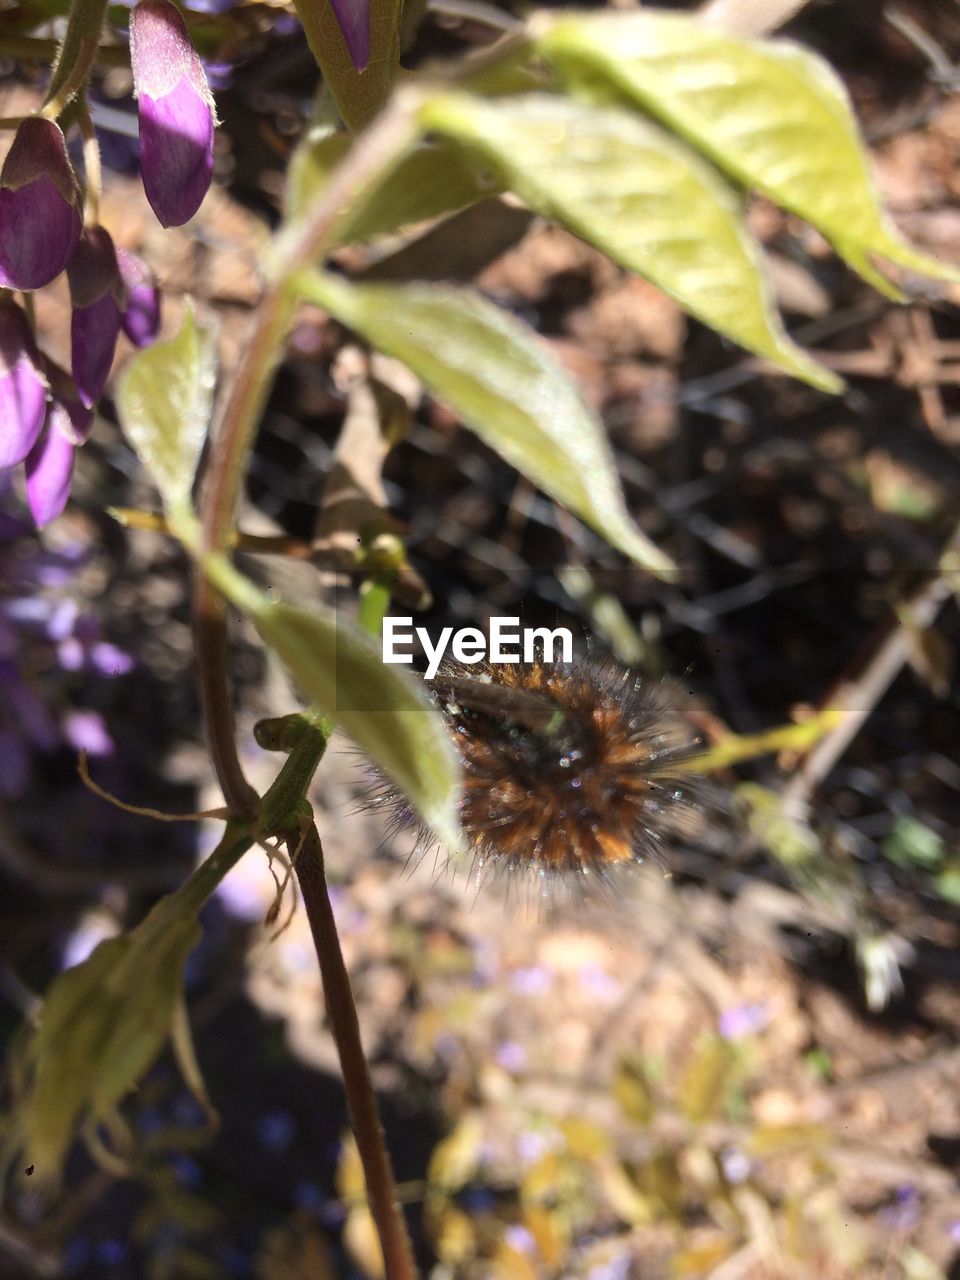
x=164 y=400
x=505 y=384
x=701 y=1259
x=622 y=1193
x=456 y=1158
x=644 y=197
x=363 y=1243
x=631 y=1091
x=584 y=1139
x=659 y=1179
x=453 y=1233
x=102 y=1025
x=550 y=1228
x=771 y=114
x=431 y=179
x=704 y=1083
x=947 y=885
x=510 y=1264
x=340 y=669
x=912 y=844
x=775 y=1140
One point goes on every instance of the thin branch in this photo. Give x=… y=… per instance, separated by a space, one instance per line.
x=858 y=696
x=361 y=1100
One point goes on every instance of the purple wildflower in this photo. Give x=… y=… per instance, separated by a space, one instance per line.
x=511 y=1056
x=176 y=109
x=39 y=620
x=904 y=1213
x=141 y=312
x=23 y=387
x=735 y=1164
x=85 y=731
x=742 y=1020
x=39 y=206
x=94 y=277
x=520 y=1238
x=534 y=980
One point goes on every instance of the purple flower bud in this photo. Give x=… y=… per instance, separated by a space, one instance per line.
x=23 y=388
x=94 y=288
x=353 y=19
x=50 y=469
x=76 y=421
x=141 y=314
x=39 y=206
x=177 y=116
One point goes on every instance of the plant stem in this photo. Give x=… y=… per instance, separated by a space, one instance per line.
x=210 y=652
x=91 y=167
x=361 y=1101
x=232 y=442
x=76 y=56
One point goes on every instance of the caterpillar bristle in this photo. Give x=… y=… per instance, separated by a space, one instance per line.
x=570 y=773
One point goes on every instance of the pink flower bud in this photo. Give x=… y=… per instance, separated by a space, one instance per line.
x=176 y=108
x=39 y=206
x=94 y=290
x=141 y=312
x=23 y=387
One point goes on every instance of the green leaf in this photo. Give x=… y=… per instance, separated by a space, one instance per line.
x=948 y=885
x=431 y=179
x=164 y=401
x=359 y=95
x=642 y=196
x=504 y=384
x=102 y=1025
x=911 y=844
x=705 y=1082
x=771 y=114
x=341 y=670
x=457 y=1157
x=631 y=1091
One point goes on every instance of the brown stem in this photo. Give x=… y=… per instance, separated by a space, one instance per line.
x=361 y=1101
x=210 y=648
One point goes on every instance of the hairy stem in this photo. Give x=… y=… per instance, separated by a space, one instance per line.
x=76 y=55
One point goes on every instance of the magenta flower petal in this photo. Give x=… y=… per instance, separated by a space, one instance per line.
x=23 y=387
x=176 y=111
x=141 y=312
x=353 y=19
x=50 y=469
x=39 y=207
x=94 y=277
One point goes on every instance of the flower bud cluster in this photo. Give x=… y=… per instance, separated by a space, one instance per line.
x=45 y=413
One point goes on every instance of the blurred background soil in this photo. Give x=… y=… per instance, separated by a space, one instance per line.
x=681 y=1077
